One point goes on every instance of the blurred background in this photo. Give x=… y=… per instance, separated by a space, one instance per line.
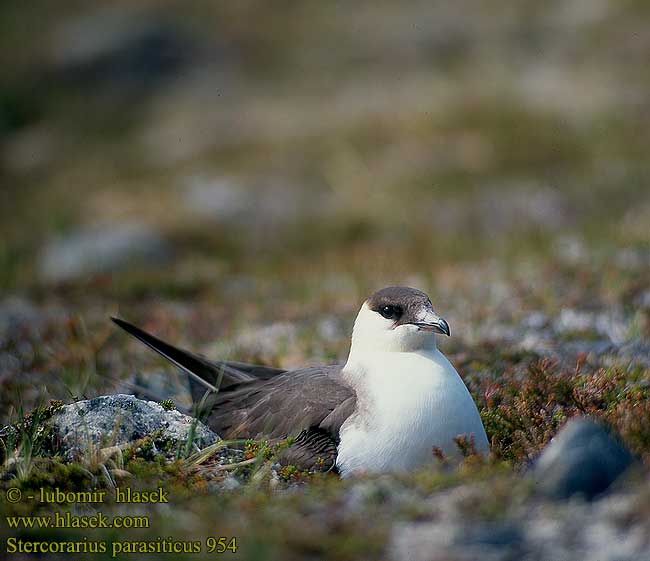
x=238 y=176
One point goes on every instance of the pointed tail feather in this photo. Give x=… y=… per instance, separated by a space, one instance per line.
x=198 y=368
x=204 y=374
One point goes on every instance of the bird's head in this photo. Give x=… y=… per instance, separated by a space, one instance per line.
x=397 y=318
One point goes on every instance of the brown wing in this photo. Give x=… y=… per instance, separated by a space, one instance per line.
x=317 y=447
x=309 y=404
x=280 y=406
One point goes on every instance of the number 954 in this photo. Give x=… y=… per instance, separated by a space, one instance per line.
x=221 y=545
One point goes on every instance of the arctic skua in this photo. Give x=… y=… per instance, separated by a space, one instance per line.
x=394 y=400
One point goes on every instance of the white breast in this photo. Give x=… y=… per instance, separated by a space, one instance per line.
x=408 y=402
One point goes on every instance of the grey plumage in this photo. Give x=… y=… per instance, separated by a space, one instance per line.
x=309 y=404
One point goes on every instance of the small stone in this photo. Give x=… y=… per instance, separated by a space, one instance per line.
x=494 y=535
x=114 y=420
x=119 y=48
x=585 y=458
x=230 y=483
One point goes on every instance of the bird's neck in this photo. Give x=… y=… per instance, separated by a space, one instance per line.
x=394 y=369
x=366 y=354
x=392 y=344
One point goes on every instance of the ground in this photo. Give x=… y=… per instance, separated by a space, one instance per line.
x=237 y=179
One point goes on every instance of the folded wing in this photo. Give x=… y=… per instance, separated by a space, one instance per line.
x=252 y=401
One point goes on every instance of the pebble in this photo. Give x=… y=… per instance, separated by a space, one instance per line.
x=585 y=459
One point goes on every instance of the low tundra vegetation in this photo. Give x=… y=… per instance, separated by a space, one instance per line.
x=279 y=186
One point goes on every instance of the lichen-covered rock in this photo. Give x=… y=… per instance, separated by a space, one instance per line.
x=113 y=420
x=585 y=458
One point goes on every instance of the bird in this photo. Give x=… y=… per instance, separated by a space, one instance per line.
x=396 y=399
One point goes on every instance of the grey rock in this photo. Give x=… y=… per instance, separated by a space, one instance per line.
x=585 y=458
x=494 y=535
x=100 y=250
x=114 y=420
x=230 y=483
x=118 y=48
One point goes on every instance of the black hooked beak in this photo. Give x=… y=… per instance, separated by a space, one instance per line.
x=437 y=325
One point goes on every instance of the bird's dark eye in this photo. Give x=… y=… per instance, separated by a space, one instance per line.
x=390 y=312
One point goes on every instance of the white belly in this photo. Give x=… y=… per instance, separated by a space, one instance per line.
x=410 y=402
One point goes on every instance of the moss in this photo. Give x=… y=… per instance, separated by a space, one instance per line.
x=260 y=449
x=50 y=473
x=522 y=413
x=31 y=435
x=168 y=404
x=293 y=474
